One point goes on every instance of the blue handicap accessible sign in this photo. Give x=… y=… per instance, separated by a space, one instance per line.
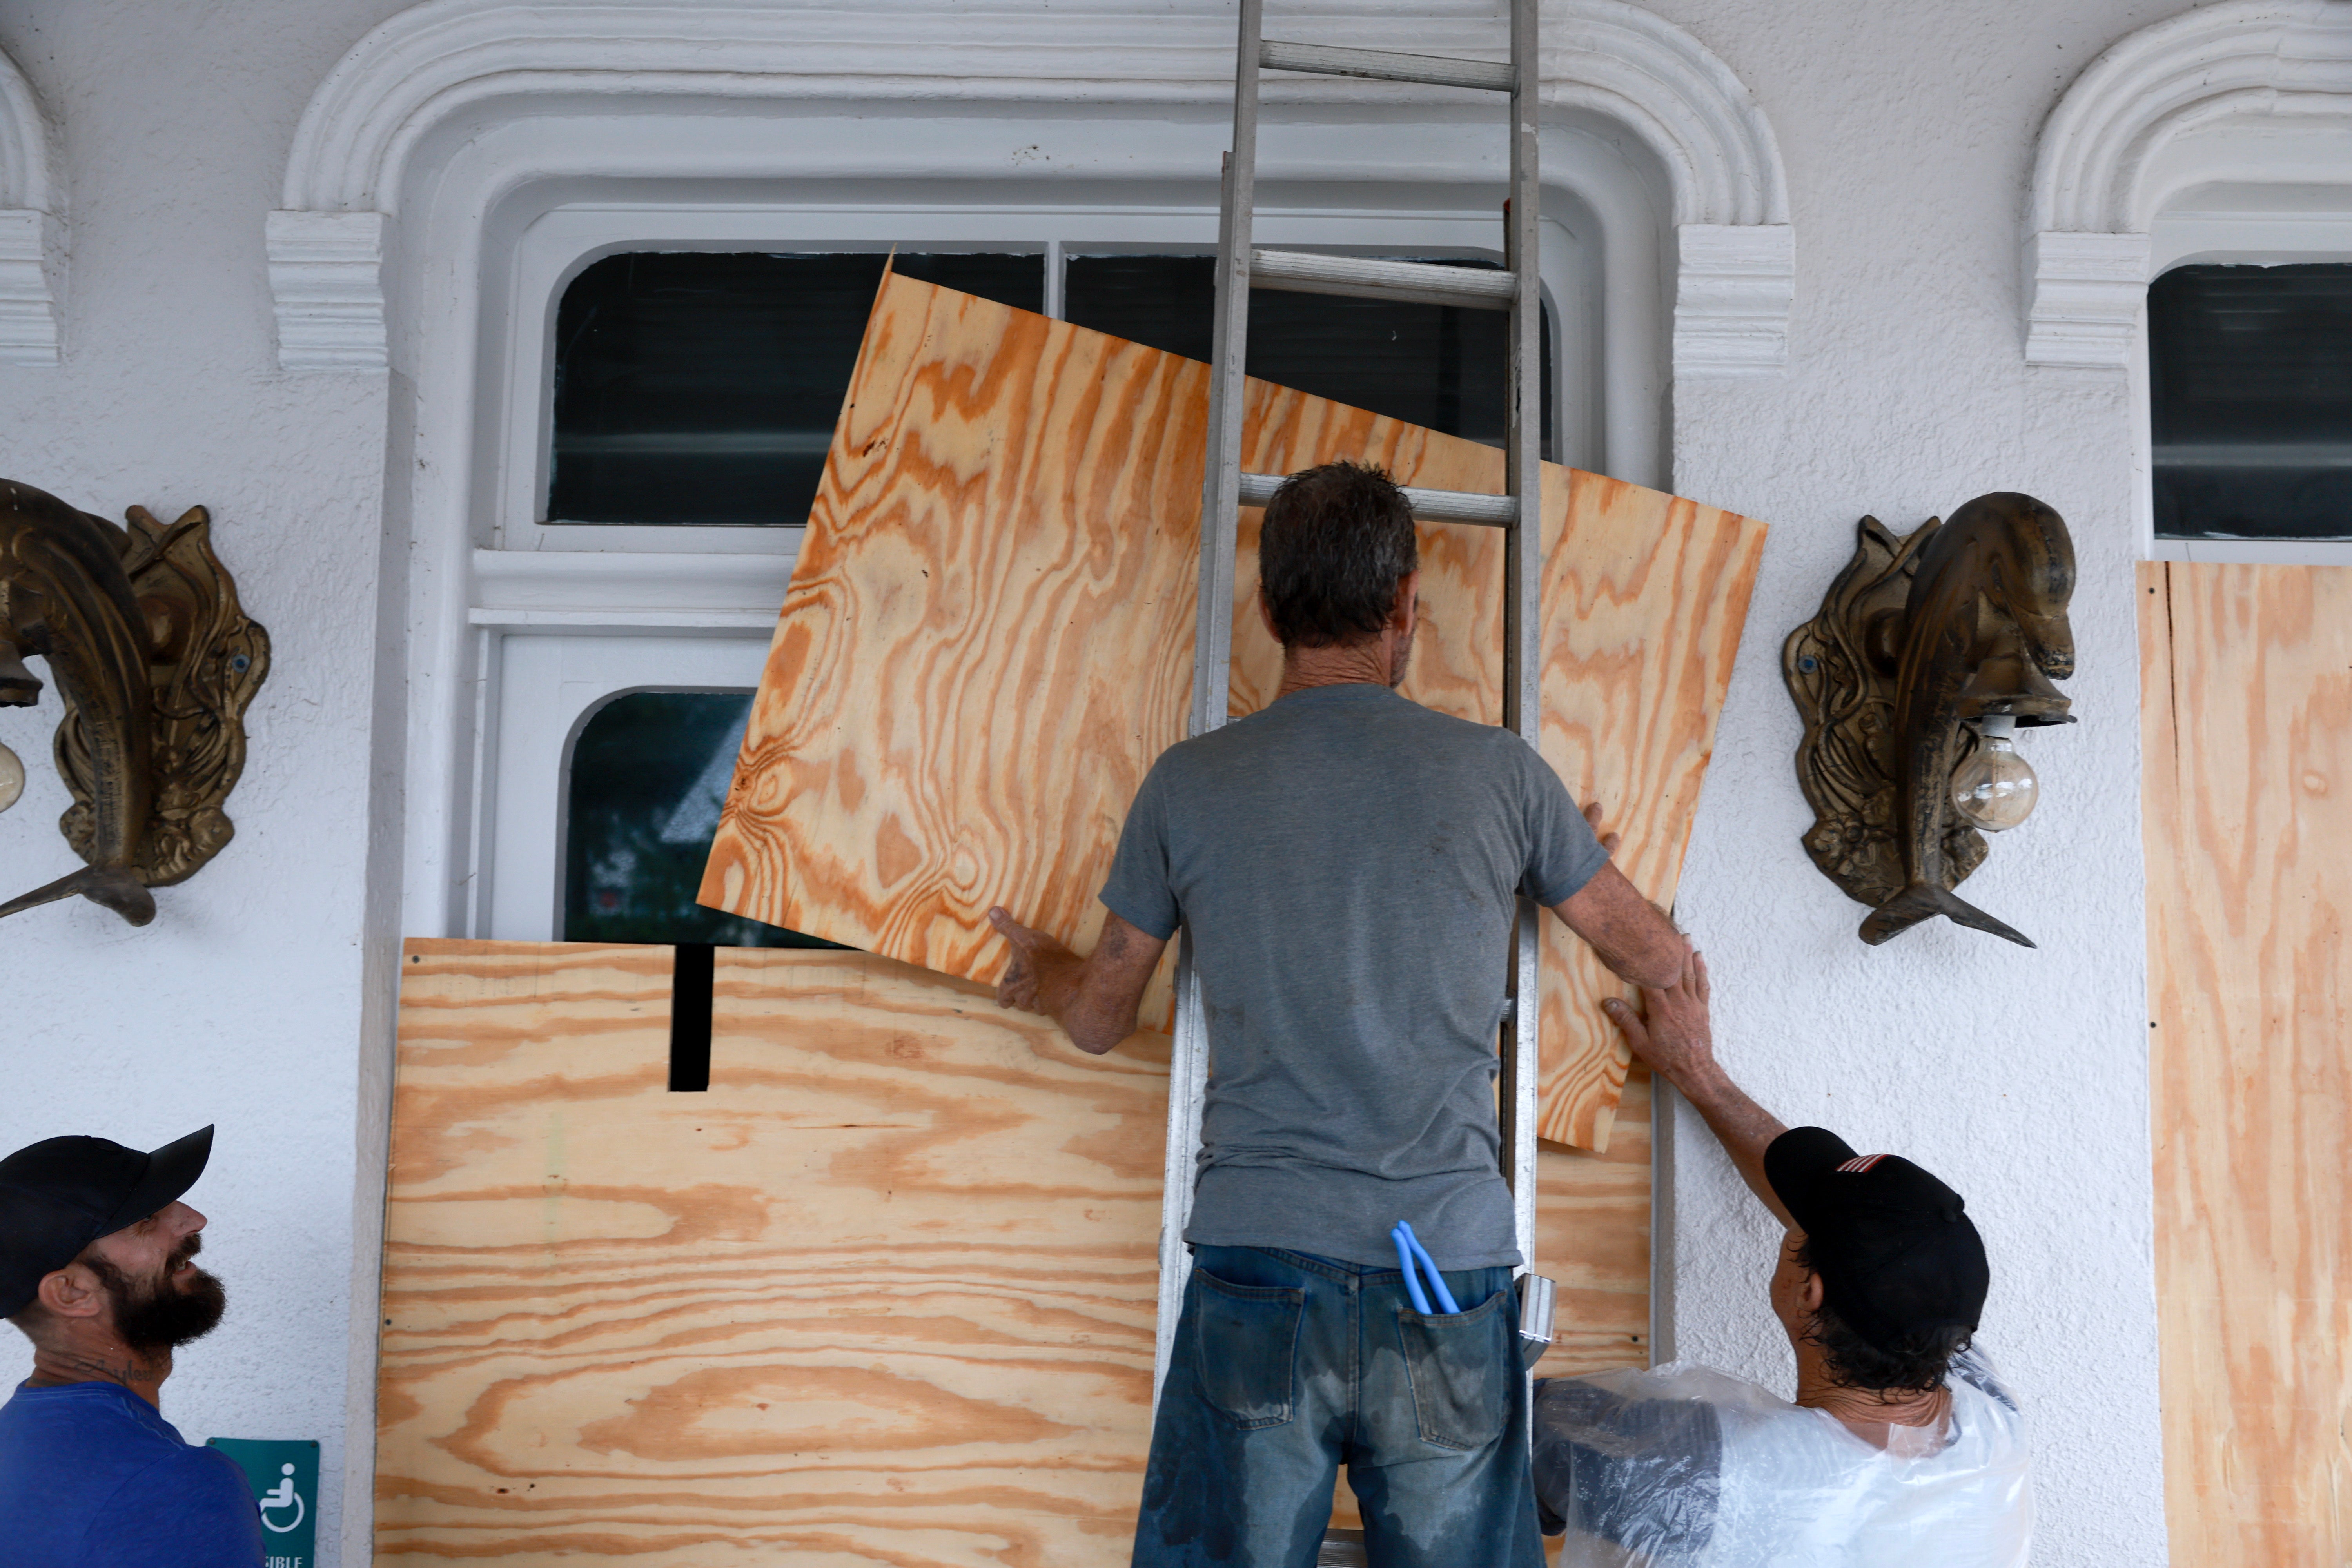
x=284 y=1476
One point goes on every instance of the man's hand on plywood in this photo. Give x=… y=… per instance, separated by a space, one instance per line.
x=1094 y=998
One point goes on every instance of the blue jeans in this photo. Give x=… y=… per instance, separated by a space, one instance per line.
x=1287 y=1367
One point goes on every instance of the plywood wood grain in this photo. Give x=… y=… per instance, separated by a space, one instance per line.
x=988 y=641
x=2246 y=725
x=1644 y=598
x=885 y=1294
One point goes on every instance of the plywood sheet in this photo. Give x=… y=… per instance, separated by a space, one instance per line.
x=988 y=641
x=2246 y=724
x=883 y=1294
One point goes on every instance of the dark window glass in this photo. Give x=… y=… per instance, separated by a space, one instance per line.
x=649 y=772
x=700 y=387
x=2250 y=389
x=1434 y=365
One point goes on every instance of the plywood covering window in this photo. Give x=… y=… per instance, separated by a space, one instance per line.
x=693 y=389
x=667 y=381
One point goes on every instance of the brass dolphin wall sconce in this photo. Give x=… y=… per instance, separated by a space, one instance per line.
x=155 y=662
x=1928 y=653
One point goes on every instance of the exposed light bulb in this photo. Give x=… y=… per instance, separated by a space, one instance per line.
x=12 y=778
x=1994 y=789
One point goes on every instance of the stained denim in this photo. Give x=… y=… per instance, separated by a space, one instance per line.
x=1287 y=1367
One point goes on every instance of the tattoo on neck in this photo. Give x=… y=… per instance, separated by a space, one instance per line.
x=73 y=1367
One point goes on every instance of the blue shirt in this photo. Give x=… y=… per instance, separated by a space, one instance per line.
x=91 y=1476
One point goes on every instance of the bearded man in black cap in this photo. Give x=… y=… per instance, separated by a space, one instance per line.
x=98 y=1268
x=1900 y=1450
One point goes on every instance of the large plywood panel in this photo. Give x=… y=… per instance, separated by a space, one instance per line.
x=988 y=641
x=2247 y=747
x=885 y=1294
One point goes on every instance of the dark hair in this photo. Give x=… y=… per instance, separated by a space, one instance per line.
x=1336 y=542
x=1918 y=1364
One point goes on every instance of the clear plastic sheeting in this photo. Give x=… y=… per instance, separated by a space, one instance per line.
x=1686 y=1467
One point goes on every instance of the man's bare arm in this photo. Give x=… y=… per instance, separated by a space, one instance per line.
x=1631 y=936
x=1093 y=998
x=1673 y=1035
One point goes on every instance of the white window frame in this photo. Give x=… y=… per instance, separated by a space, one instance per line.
x=570 y=615
x=2278 y=223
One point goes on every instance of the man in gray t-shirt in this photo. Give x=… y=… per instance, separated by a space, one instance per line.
x=1347 y=862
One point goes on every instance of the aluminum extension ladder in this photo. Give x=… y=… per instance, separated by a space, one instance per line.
x=1225 y=489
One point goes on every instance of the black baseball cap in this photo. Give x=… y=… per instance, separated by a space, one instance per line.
x=60 y=1194
x=1897 y=1254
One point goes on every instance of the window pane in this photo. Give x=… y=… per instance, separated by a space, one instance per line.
x=648 y=774
x=702 y=388
x=2251 y=395
x=1432 y=365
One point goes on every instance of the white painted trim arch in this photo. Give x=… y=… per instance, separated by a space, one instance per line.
x=32 y=228
x=2098 y=179
x=439 y=62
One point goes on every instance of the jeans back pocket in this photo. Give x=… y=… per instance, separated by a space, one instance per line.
x=1245 y=1348
x=1462 y=1366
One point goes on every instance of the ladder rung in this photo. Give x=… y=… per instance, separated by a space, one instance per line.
x=1363 y=278
x=1428 y=506
x=1383 y=64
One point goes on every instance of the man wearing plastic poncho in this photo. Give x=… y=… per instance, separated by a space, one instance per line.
x=1902 y=1450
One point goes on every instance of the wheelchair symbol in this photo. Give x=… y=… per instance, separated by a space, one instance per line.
x=282 y=1496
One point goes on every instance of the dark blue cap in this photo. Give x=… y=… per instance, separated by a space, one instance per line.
x=60 y=1194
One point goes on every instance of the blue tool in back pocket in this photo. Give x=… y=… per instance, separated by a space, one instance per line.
x=1410 y=1251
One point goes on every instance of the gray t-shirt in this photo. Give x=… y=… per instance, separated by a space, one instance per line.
x=1347 y=861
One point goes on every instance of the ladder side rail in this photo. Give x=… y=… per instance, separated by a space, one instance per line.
x=1523 y=630
x=1522 y=646
x=1212 y=645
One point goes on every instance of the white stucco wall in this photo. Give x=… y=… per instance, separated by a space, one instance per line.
x=243 y=1003
x=2018 y=1076
x=1908 y=135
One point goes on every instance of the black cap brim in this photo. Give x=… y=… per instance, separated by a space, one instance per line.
x=171 y=1170
x=1795 y=1163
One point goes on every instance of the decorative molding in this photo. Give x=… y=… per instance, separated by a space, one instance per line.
x=32 y=232
x=2281 y=61
x=326 y=279
x=1733 y=289
x=457 y=62
x=621 y=591
x=2087 y=291
x=32 y=260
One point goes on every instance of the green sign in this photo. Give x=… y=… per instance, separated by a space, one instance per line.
x=284 y=1476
